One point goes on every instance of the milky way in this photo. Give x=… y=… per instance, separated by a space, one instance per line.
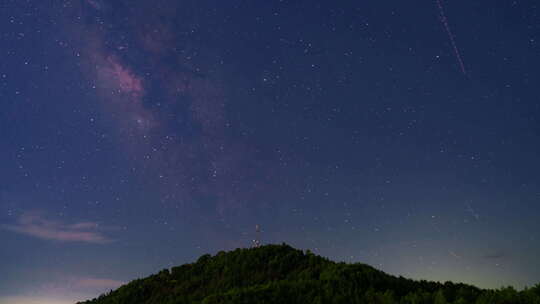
x=190 y=149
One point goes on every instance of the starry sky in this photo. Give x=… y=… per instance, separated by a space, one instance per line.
x=138 y=135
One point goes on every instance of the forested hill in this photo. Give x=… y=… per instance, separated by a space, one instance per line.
x=281 y=274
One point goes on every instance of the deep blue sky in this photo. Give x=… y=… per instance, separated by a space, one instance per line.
x=138 y=135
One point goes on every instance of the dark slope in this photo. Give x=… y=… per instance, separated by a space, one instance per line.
x=282 y=274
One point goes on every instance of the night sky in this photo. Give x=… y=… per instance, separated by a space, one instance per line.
x=138 y=135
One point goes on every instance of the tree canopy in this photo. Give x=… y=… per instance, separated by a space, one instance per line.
x=282 y=274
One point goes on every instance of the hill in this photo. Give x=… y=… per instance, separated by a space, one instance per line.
x=282 y=274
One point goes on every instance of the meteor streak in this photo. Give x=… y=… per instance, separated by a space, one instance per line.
x=444 y=21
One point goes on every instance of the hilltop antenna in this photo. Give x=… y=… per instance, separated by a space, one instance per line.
x=256 y=241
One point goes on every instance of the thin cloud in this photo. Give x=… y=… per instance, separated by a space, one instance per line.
x=495 y=256
x=36 y=226
x=34 y=300
x=63 y=290
x=100 y=283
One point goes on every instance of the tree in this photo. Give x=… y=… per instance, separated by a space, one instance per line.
x=439 y=297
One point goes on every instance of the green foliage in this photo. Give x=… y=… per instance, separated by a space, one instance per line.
x=282 y=274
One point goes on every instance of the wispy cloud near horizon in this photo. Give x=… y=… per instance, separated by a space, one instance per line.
x=33 y=300
x=102 y=283
x=63 y=290
x=35 y=225
x=495 y=255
